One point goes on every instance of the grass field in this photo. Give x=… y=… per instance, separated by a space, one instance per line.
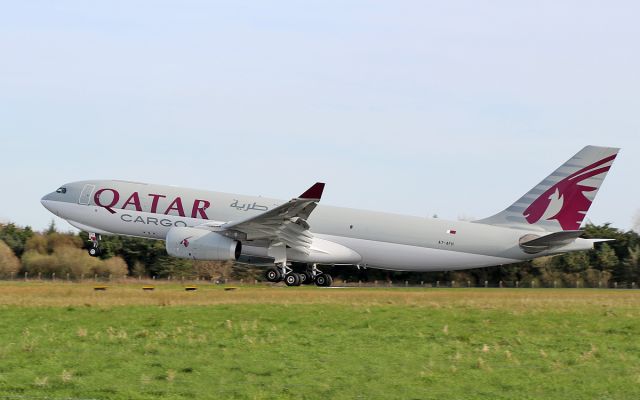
x=63 y=341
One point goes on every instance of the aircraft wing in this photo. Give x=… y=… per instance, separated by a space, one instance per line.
x=285 y=224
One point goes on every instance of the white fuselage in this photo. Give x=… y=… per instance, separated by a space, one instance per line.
x=341 y=235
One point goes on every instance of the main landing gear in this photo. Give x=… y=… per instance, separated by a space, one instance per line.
x=291 y=278
x=94 y=250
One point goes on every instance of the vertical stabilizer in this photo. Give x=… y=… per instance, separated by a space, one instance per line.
x=561 y=200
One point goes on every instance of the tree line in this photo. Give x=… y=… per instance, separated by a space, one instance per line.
x=24 y=251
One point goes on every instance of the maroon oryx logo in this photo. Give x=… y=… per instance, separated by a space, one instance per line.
x=565 y=201
x=185 y=241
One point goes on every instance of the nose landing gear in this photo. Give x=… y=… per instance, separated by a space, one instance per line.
x=95 y=250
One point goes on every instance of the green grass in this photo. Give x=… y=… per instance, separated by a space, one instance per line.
x=393 y=344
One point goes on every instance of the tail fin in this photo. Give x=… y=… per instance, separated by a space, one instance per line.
x=560 y=201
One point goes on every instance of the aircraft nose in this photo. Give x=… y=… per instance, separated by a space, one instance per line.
x=46 y=201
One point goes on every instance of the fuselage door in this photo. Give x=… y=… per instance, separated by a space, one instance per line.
x=85 y=196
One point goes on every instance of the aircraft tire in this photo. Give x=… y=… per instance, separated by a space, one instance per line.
x=307 y=279
x=324 y=280
x=329 y=281
x=273 y=275
x=292 y=279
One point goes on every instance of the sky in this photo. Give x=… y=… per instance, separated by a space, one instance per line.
x=452 y=108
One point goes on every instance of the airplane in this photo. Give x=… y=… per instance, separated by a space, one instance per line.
x=294 y=237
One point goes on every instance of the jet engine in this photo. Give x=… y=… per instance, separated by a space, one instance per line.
x=201 y=244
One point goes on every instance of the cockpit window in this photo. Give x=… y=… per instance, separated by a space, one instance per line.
x=62 y=190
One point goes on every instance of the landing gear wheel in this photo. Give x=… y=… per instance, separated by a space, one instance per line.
x=307 y=278
x=329 y=280
x=273 y=275
x=324 y=280
x=94 y=251
x=292 y=279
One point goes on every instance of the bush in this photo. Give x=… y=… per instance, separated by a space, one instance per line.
x=112 y=266
x=461 y=278
x=37 y=243
x=73 y=261
x=35 y=263
x=595 y=278
x=15 y=237
x=139 y=269
x=174 y=267
x=56 y=240
x=213 y=269
x=47 y=244
x=9 y=263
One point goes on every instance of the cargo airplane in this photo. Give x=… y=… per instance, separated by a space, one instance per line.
x=295 y=237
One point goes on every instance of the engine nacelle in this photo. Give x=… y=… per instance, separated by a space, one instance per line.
x=200 y=244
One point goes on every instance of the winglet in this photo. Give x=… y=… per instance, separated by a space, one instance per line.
x=314 y=192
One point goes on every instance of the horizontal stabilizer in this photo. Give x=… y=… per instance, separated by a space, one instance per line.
x=535 y=244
